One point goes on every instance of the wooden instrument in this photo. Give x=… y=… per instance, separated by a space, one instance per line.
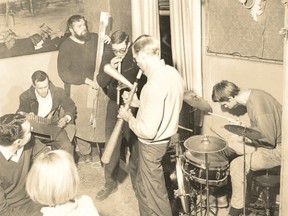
x=44 y=128
x=111 y=144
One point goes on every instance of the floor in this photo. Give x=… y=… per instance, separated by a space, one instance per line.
x=123 y=202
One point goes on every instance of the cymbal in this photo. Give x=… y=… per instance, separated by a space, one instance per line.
x=205 y=144
x=244 y=131
x=197 y=102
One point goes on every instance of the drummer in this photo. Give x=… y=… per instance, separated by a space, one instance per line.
x=265 y=114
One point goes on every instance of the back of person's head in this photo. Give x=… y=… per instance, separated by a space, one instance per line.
x=39 y=76
x=53 y=178
x=119 y=36
x=223 y=90
x=11 y=128
x=74 y=18
x=146 y=44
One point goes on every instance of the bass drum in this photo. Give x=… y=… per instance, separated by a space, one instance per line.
x=183 y=183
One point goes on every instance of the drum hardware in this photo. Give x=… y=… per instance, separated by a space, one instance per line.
x=244 y=131
x=198 y=102
x=205 y=144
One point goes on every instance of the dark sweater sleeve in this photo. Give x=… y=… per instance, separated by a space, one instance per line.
x=24 y=105
x=64 y=64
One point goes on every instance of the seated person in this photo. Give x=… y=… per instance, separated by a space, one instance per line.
x=265 y=114
x=53 y=181
x=43 y=99
x=17 y=149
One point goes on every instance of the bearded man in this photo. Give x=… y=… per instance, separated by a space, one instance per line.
x=76 y=67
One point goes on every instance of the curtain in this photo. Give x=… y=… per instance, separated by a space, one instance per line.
x=145 y=18
x=185 y=18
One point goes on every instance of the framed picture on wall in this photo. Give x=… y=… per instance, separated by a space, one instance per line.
x=35 y=26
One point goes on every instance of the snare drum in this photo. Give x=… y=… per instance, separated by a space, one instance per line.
x=195 y=168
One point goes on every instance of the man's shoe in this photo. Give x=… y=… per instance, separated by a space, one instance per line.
x=105 y=192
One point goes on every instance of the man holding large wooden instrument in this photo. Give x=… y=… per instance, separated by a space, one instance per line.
x=43 y=103
x=156 y=121
x=76 y=65
x=119 y=58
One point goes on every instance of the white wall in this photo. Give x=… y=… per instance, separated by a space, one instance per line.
x=15 y=77
x=244 y=73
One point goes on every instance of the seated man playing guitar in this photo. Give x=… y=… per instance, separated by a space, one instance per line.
x=265 y=114
x=42 y=103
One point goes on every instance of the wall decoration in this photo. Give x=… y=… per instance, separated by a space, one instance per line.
x=35 y=26
x=232 y=31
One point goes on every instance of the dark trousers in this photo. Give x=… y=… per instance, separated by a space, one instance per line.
x=62 y=142
x=150 y=183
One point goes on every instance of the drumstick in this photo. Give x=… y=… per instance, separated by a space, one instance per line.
x=184 y=128
x=216 y=133
x=229 y=119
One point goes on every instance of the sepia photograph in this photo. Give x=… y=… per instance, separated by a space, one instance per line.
x=143 y=107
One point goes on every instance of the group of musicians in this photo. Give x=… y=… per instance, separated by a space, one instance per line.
x=156 y=119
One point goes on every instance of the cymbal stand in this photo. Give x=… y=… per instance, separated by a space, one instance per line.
x=207 y=211
x=207 y=184
x=244 y=175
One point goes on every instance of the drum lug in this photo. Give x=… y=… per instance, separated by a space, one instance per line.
x=172 y=158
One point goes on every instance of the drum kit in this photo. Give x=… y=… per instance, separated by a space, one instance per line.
x=199 y=163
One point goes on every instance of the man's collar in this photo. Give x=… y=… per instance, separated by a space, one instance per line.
x=9 y=155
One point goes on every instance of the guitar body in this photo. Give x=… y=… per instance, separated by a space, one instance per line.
x=45 y=128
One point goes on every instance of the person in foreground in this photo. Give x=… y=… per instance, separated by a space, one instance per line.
x=265 y=114
x=156 y=121
x=17 y=150
x=44 y=99
x=117 y=54
x=53 y=181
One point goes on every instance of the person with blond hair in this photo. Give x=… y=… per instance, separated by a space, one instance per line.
x=53 y=181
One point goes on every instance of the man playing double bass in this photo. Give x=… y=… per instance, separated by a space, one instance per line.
x=76 y=67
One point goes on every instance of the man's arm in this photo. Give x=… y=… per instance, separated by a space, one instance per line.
x=67 y=104
x=24 y=105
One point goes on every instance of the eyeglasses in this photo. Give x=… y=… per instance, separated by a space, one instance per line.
x=120 y=51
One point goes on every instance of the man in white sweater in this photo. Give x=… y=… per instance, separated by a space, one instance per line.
x=156 y=121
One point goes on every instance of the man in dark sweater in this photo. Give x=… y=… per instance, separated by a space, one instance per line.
x=76 y=66
x=118 y=54
x=17 y=149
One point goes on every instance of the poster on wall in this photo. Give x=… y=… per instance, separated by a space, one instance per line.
x=233 y=29
x=36 y=26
